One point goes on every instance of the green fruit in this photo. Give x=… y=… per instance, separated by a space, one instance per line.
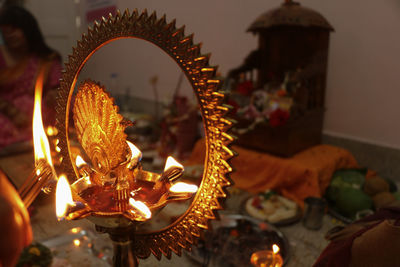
x=353 y=178
x=351 y=200
x=350 y=177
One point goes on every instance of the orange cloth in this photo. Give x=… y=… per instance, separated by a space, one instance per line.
x=307 y=173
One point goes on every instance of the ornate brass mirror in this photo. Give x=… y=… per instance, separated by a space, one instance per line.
x=109 y=151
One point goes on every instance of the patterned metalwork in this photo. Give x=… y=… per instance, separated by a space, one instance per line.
x=99 y=127
x=185 y=230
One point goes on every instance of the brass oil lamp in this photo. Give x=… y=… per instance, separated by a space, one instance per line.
x=112 y=189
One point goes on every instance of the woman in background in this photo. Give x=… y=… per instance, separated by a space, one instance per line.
x=23 y=54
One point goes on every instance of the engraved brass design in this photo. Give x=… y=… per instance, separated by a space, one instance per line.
x=185 y=230
x=99 y=128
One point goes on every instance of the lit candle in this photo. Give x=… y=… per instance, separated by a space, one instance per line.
x=267 y=258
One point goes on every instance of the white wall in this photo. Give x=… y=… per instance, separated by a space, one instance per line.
x=364 y=62
x=363 y=89
x=58 y=27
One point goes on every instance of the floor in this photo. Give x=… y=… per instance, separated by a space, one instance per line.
x=305 y=245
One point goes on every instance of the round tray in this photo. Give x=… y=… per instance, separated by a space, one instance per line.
x=285 y=222
x=219 y=248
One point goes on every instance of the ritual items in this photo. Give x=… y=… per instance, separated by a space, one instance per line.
x=280 y=87
x=273 y=208
x=36 y=254
x=354 y=193
x=112 y=189
x=270 y=258
x=315 y=209
x=179 y=130
x=43 y=176
x=237 y=238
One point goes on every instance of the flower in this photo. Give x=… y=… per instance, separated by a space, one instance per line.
x=245 y=88
x=34 y=251
x=234 y=104
x=281 y=92
x=278 y=117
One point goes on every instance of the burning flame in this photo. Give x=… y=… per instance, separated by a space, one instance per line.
x=79 y=162
x=171 y=162
x=63 y=196
x=135 y=152
x=141 y=207
x=51 y=130
x=77 y=242
x=75 y=230
x=275 y=248
x=183 y=188
x=40 y=141
x=136 y=155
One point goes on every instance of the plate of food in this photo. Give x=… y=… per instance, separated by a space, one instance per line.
x=234 y=239
x=273 y=208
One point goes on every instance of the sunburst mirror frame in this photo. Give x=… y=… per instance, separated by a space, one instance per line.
x=186 y=230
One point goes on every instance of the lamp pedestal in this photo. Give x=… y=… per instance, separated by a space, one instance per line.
x=122 y=237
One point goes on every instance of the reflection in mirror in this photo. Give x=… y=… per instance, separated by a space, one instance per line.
x=152 y=93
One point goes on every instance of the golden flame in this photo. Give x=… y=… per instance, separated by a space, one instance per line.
x=171 y=162
x=77 y=242
x=51 y=130
x=87 y=180
x=275 y=248
x=141 y=207
x=40 y=141
x=183 y=188
x=79 y=162
x=63 y=196
x=135 y=152
x=75 y=230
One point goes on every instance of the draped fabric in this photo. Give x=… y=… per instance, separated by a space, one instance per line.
x=307 y=173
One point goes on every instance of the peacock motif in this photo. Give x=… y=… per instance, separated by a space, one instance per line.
x=100 y=131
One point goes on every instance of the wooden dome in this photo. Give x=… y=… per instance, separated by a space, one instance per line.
x=290 y=14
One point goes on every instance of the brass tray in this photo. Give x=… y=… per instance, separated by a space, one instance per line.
x=215 y=250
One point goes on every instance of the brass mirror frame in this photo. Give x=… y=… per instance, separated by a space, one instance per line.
x=185 y=230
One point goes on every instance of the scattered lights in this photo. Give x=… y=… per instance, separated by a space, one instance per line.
x=77 y=242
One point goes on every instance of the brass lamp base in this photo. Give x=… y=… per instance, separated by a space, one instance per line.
x=122 y=238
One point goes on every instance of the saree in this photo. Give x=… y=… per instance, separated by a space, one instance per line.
x=17 y=96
